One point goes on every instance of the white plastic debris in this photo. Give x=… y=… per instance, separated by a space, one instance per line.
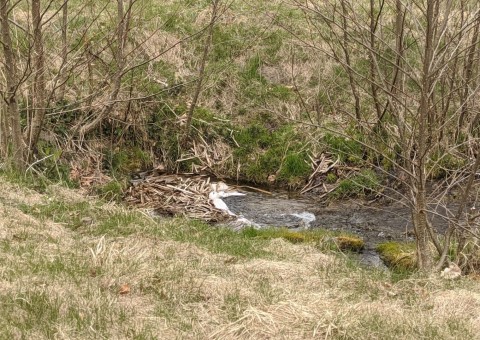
x=453 y=271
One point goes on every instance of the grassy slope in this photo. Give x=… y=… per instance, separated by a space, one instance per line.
x=64 y=259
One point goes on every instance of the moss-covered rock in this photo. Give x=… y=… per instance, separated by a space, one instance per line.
x=398 y=255
x=350 y=243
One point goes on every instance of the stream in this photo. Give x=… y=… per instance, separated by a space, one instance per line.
x=375 y=223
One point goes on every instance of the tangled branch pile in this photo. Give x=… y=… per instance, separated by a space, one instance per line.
x=175 y=195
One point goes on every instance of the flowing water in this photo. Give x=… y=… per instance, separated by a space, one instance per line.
x=375 y=223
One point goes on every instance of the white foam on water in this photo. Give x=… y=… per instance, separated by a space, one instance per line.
x=306 y=217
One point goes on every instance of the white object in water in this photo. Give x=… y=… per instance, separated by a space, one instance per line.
x=306 y=218
x=215 y=197
x=241 y=223
x=230 y=193
x=223 y=190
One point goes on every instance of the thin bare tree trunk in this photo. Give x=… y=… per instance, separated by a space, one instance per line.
x=468 y=75
x=201 y=72
x=348 y=63
x=4 y=131
x=461 y=208
x=39 y=78
x=122 y=34
x=373 y=73
x=421 y=225
x=63 y=77
x=18 y=147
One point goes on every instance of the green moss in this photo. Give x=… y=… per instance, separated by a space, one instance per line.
x=398 y=255
x=272 y=233
x=350 y=243
x=323 y=239
x=285 y=233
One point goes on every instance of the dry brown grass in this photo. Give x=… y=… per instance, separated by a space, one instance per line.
x=67 y=284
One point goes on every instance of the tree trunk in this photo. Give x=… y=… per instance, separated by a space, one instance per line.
x=4 y=131
x=121 y=36
x=63 y=77
x=201 y=73
x=10 y=97
x=373 y=73
x=39 y=78
x=467 y=75
x=420 y=222
x=348 y=63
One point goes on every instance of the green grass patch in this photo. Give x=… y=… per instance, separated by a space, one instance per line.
x=277 y=150
x=348 y=150
x=321 y=238
x=442 y=163
x=111 y=191
x=89 y=218
x=361 y=184
x=215 y=239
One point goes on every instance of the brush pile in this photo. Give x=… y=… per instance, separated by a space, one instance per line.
x=175 y=195
x=317 y=180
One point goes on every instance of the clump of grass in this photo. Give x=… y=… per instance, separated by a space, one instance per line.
x=111 y=191
x=331 y=178
x=359 y=185
x=441 y=164
x=274 y=150
x=398 y=255
x=348 y=150
x=350 y=243
x=126 y=161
